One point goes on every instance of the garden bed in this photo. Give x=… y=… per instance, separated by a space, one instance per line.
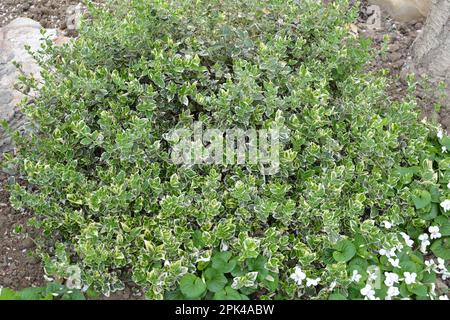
x=19 y=268
x=111 y=258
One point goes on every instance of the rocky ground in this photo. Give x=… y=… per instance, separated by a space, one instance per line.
x=19 y=269
x=401 y=37
x=49 y=13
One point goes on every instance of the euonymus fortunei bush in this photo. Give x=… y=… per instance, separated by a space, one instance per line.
x=347 y=215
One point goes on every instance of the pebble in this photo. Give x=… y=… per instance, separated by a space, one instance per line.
x=395 y=57
x=26 y=244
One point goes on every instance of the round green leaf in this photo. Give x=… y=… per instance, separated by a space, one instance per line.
x=441 y=248
x=192 y=286
x=221 y=262
x=345 y=250
x=418 y=289
x=444 y=225
x=421 y=199
x=337 y=296
x=215 y=280
x=228 y=294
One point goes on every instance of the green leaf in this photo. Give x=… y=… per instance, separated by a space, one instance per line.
x=421 y=199
x=228 y=294
x=75 y=295
x=8 y=294
x=445 y=141
x=30 y=293
x=174 y=295
x=345 y=250
x=215 y=280
x=221 y=262
x=418 y=289
x=157 y=78
x=444 y=225
x=86 y=141
x=404 y=292
x=192 y=286
x=429 y=277
x=434 y=210
x=271 y=281
x=408 y=266
x=337 y=296
x=441 y=248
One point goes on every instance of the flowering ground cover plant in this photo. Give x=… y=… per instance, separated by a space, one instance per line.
x=359 y=208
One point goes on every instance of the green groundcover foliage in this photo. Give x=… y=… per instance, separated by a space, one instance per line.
x=53 y=291
x=359 y=208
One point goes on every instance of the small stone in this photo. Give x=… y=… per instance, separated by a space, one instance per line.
x=26 y=244
x=395 y=56
x=394 y=47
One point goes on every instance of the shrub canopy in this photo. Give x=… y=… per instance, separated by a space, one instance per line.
x=103 y=188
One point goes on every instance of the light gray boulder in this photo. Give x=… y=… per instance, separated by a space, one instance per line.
x=13 y=39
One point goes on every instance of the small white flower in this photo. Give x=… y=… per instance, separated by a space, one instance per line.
x=399 y=247
x=391 y=279
x=443 y=297
x=224 y=246
x=429 y=264
x=312 y=282
x=392 y=292
x=298 y=276
x=423 y=237
x=356 y=276
x=448 y=185
x=394 y=262
x=441 y=264
x=410 y=277
x=434 y=232
x=387 y=252
x=387 y=224
x=445 y=205
x=440 y=134
x=433 y=289
x=372 y=274
x=368 y=292
x=445 y=275
x=424 y=242
x=407 y=239
x=444 y=149
x=423 y=247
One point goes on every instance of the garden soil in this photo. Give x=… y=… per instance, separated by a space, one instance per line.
x=49 y=13
x=18 y=267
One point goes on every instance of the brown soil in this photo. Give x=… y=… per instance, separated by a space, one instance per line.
x=401 y=37
x=18 y=267
x=49 y=13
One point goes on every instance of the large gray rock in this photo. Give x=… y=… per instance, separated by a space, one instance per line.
x=13 y=39
x=405 y=10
